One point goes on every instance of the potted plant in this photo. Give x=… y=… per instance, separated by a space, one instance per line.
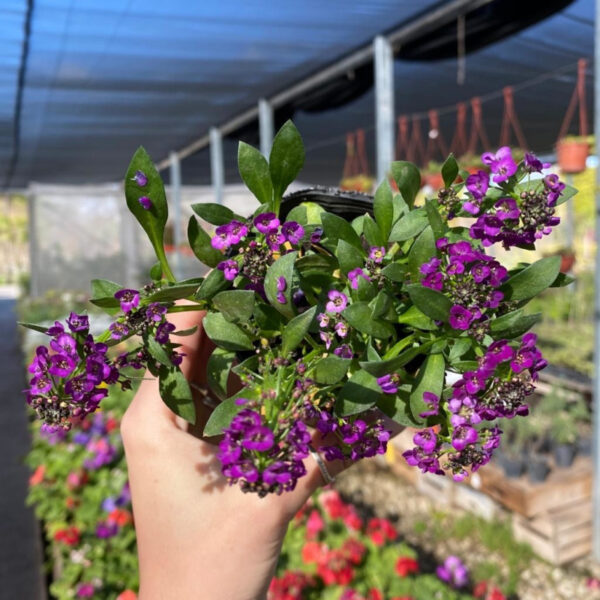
x=512 y=458
x=564 y=436
x=572 y=153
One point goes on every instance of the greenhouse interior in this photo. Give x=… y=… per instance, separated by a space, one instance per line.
x=338 y=256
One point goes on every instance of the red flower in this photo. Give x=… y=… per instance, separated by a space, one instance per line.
x=380 y=530
x=38 y=475
x=111 y=424
x=127 y=595
x=312 y=552
x=314 y=525
x=406 y=566
x=68 y=536
x=352 y=520
x=120 y=516
x=353 y=551
x=289 y=586
x=333 y=505
x=335 y=569
x=487 y=591
x=375 y=594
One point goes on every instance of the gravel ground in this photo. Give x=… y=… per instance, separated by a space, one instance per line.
x=376 y=490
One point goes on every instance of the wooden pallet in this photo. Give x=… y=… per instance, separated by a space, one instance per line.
x=559 y=535
x=562 y=488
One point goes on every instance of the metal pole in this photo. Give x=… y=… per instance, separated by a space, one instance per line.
x=384 y=105
x=596 y=406
x=265 y=125
x=176 y=200
x=34 y=289
x=216 y=164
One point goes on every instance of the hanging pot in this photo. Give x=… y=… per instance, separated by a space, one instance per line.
x=342 y=203
x=572 y=155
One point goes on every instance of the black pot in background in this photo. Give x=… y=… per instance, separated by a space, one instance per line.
x=347 y=205
x=513 y=466
x=564 y=454
x=584 y=446
x=538 y=468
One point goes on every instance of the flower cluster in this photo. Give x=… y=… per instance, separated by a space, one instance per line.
x=498 y=388
x=470 y=278
x=454 y=572
x=70 y=375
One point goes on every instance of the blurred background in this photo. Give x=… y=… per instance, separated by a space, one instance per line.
x=83 y=83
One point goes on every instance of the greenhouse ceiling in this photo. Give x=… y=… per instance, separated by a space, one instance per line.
x=84 y=82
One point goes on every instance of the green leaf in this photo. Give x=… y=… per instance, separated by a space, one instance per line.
x=296 y=329
x=380 y=305
x=459 y=348
x=221 y=417
x=379 y=368
x=449 y=170
x=103 y=295
x=175 y=292
x=337 y=228
x=396 y=407
x=395 y=272
x=217 y=371
x=250 y=364
x=430 y=302
x=409 y=226
x=360 y=317
x=214 y=283
x=33 y=327
x=176 y=393
x=358 y=394
x=435 y=220
x=286 y=159
x=186 y=332
x=421 y=251
x=348 y=257
x=216 y=214
x=156 y=272
x=383 y=208
x=235 y=305
x=372 y=232
x=254 y=170
x=199 y=242
x=153 y=221
x=408 y=180
x=318 y=262
x=331 y=369
x=514 y=327
x=566 y=194
x=413 y=317
x=157 y=351
x=532 y=280
x=430 y=379
x=283 y=267
x=225 y=334
x=562 y=280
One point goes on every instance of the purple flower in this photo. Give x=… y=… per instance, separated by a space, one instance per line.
x=277 y=473
x=462 y=436
x=376 y=254
x=61 y=365
x=316 y=235
x=344 y=351
x=337 y=302
x=56 y=329
x=274 y=239
x=237 y=231
x=140 y=178
x=77 y=322
x=265 y=222
x=323 y=320
x=478 y=184
x=163 y=331
x=430 y=266
x=454 y=572
x=230 y=269
x=353 y=276
x=281 y=287
x=228 y=235
x=155 y=312
x=427 y=440
x=433 y=403
x=292 y=231
x=145 y=202
x=388 y=383
x=501 y=164
x=353 y=432
x=118 y=330
x=129 y=299
x=64 y=343
x=326 y=338
x=341 y=328
x=106 y=530
x=331 y=453
x=258 y=438
x=506 y=208
x=85 y=590
x=460 y=317
x=533 y=164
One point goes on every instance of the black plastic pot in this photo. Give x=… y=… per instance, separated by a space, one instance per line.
x=513 y=466
x=538 y=468
x=564 y=454
x=347 y=205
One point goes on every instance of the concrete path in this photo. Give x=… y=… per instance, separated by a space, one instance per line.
x=21 y=575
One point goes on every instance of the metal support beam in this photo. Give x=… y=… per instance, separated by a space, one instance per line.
x=406 y=32
x=217 y=167
x=384 y=105
x=34 y=281
x=265 y=126
x=596 y=406
x=177 y=223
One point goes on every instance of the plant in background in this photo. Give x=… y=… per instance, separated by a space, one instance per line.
x=328 y=324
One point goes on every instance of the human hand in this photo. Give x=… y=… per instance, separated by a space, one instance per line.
x=198 y=537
